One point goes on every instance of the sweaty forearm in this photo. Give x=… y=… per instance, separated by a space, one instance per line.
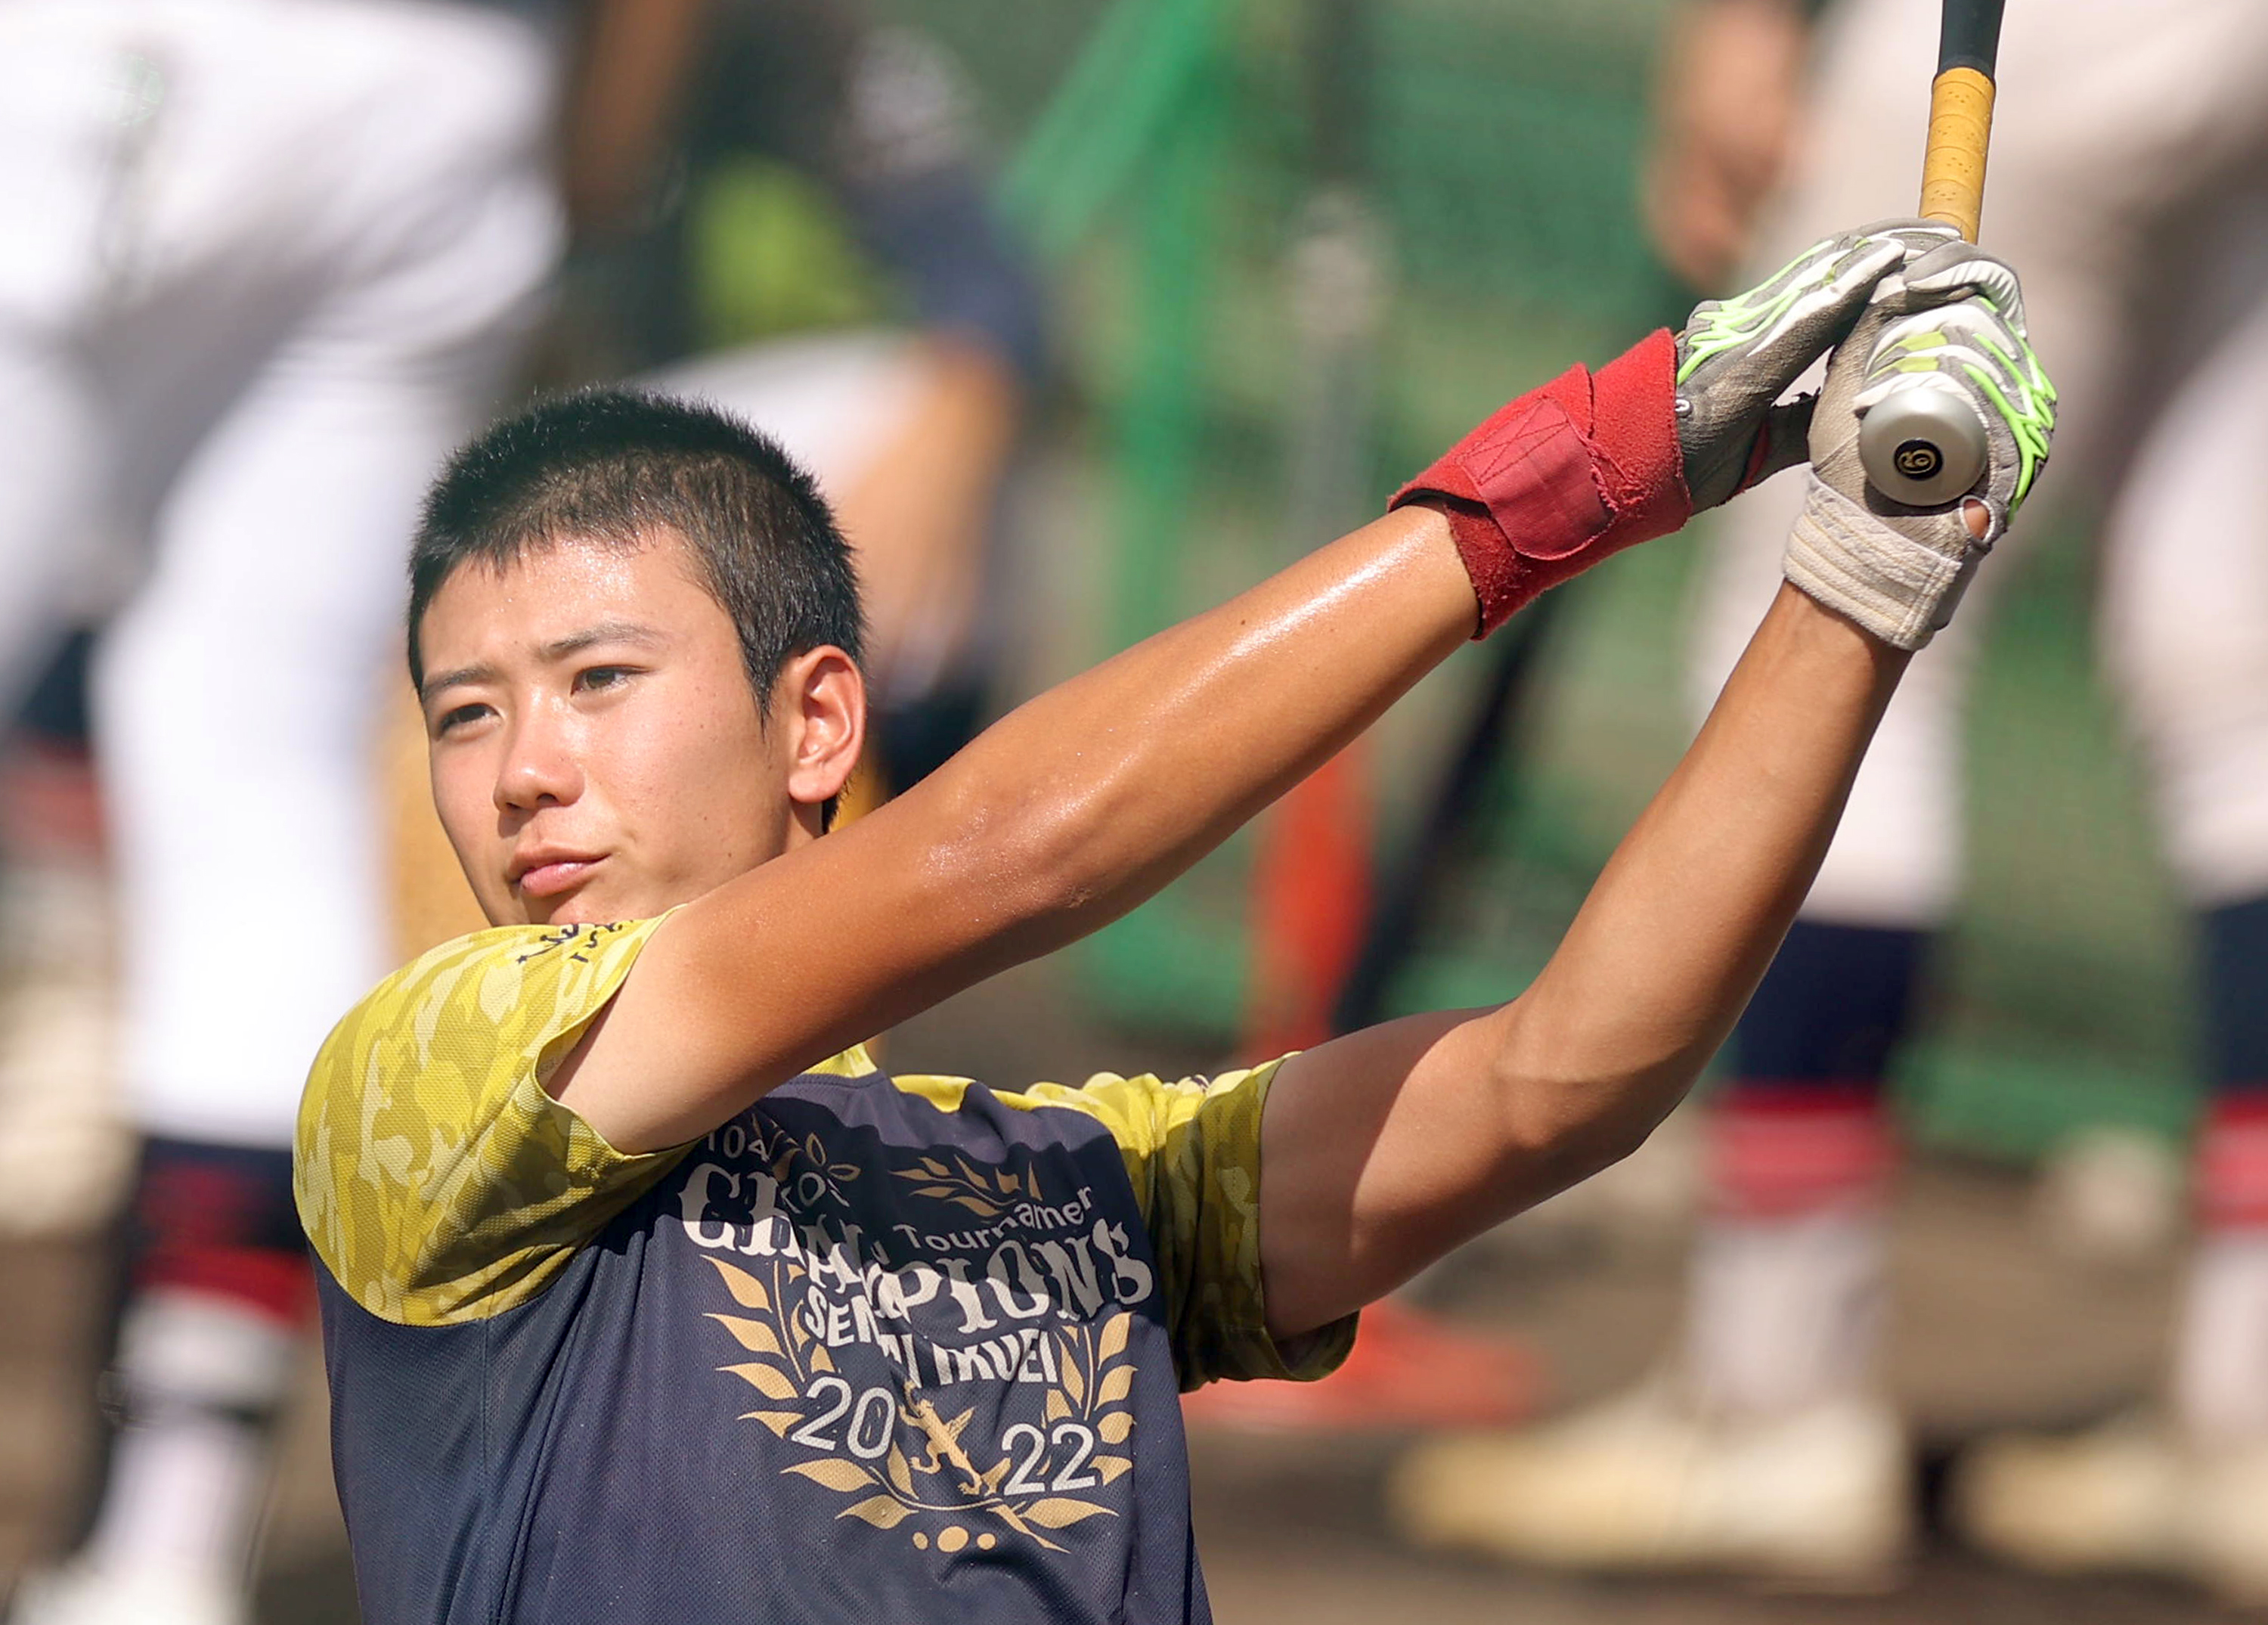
x=1687 y=915
x=1680 y=928
x=1088 y=799
x=1388 y=1147
x=1100 y=790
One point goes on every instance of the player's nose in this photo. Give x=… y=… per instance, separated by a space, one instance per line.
x=540 y=767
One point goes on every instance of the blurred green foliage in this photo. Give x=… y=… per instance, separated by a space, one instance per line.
x=770 y=252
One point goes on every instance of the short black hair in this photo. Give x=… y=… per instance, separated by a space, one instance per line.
x=615 y=466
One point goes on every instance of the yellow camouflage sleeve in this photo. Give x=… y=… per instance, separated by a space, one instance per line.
x=437 y=1180
x=1192 y=1150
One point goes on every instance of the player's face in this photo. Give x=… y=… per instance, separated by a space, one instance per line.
x=596 y=750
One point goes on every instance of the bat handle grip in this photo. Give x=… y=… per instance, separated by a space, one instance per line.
x=1953 y=168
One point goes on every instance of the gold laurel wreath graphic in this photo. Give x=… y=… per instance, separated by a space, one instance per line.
x=810 y=1150
x=1097 y=1380
x=987 y=1196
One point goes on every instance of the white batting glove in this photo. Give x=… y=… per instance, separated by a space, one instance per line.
x=1738 y=355
x=1955 y=317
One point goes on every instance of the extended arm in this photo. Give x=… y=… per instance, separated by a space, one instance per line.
x=1384 y=1148
x=1088 y=799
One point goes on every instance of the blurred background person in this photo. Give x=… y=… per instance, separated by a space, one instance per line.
x=818 y=252
x=265 y=261
x=2129 y=161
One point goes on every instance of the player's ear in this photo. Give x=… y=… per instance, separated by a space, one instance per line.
x=819 y=704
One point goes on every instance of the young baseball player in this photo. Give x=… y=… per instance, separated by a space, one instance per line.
x=2134 y=179
x=647 y=1293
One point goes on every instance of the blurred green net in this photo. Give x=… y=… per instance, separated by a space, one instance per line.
x=1160 y=152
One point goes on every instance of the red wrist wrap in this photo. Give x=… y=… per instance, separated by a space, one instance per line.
x=1557 y=480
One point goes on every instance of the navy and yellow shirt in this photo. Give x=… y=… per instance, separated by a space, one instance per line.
x=878 y=1348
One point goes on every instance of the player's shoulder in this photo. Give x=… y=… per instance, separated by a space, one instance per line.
x=425 y=1127
x=502 y=983
x=466 y=1020
x=1142 y=1112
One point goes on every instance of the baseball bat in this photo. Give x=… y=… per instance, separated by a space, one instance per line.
x=1922 y=447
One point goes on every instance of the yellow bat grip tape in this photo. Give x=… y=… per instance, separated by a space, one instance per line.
x=1953 y=169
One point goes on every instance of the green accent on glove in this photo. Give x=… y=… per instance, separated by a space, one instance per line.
x=1899 y=571
x=2030 y=421
x=1737 y=358
x=1727 y=324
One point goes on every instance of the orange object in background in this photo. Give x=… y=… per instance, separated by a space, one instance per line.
x=1310 y=903
x=1408 y=1369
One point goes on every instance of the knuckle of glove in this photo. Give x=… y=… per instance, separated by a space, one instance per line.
x=1918 y=234
x=1738 y=355
x=1899 y=571
x=1961 y=269
x=1973 y=349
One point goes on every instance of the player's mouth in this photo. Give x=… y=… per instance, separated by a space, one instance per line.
x=548 y=874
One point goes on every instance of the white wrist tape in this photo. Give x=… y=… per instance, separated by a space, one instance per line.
x=1892 y=586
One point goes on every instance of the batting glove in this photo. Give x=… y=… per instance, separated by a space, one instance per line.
x=1737 y=357
x=1591 y=462
x=1953 y=319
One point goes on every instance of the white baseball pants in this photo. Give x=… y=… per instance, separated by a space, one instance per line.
x=2130 y=156
x=261 y=262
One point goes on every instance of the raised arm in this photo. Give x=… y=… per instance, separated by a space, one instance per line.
x=1383 y=1149
x=1086 y=800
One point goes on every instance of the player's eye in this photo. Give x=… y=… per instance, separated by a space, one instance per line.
x=460 y=716
x=597 y=679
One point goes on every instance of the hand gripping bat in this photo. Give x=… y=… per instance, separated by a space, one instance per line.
x=1923 y=447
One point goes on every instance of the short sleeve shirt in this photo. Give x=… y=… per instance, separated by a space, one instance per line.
x=879 y=1348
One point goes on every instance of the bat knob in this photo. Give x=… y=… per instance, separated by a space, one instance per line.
x=1922 y=447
